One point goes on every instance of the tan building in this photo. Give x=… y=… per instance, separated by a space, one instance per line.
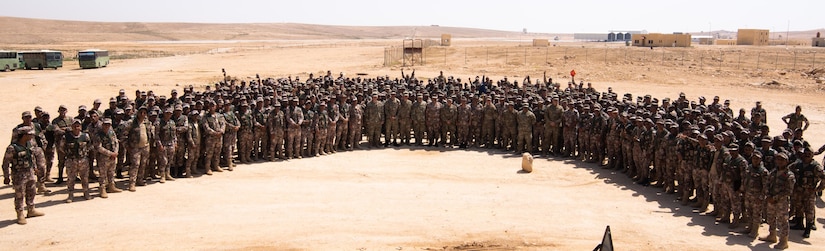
x=725 y=42
x=818 y=42
x=661 y=40
x=541 y=42
x=446 y=39
x=752 y=37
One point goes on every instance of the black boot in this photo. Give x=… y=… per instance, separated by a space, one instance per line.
x=798 y=224
x=807 y=232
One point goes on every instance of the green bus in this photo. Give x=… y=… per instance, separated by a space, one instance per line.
x=93 y=58
x=9 y=61
x=41 y=59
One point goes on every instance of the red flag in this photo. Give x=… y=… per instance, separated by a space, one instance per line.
x=573 y=73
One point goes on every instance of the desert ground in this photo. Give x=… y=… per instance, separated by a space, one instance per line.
x=388 y=199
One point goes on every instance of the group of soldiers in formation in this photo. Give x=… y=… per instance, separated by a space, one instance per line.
x=703 y=152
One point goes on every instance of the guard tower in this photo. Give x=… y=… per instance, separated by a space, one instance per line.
x=446 y=39
x=413 y=52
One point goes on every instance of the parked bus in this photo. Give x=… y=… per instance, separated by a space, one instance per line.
x=93 y=58
x=41 y=59
x=9 y=61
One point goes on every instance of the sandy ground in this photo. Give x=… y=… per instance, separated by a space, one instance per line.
x=391 y=199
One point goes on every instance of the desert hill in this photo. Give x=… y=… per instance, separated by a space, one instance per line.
x=41 y=31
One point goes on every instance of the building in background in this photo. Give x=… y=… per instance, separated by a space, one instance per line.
x=818 y=41
x=752 y=37
x=661 y=40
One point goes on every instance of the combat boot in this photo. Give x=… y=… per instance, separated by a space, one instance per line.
x=112 y=188
x=86 y=195
x=31 y=212
x=807 y=232
x=771 y=237
x=21 y=219
x=217 y=169
x=132 y=188
x=754 y=230
x=797 y=224
x=734 y=223
x=704 y=207
x=103 y=193
x=41 y=189
x=783 y=243
x=70 y=198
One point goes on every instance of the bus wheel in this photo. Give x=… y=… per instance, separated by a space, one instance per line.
x=7 y=68
x=40 y=67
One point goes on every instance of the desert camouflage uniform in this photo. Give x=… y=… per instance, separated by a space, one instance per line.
x=77 y=150
x=524 y=137
x=488 y=125
x=372 y=121
x=321 y=128
x=808 y=178
x=294 y=118
x=277 y=126
x=433 y=121
x=356 y=121
x=418 y=118
x=779 y=188
x=213 y=128
x=193 y=147
x=462 y=125
x=245 y=134
x=405 y=120
x=308 y=132
x=259 y=137
x=230 y=137
x=106 y=144
x=553 y=115
x=391 y=120
x=447 y=117
x=19 y=160
x=756 y=183
x=167 y=141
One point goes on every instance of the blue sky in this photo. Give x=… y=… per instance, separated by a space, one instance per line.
x=514 y=15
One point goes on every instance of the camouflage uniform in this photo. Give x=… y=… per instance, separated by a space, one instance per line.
x=106 y=144
x=61 y=124
x=19 y=160
x=809 y=180
x=245 y=132
x=193 y=145
x=334 y=117
x=433 y=121
x=731 y=189
x=488 y=125
x=780 y=185
x=277 y=126
x=77 y=148
x=321 y=128
x=524 y=138
x=553 y=117
x=259 y=137
x=372 y=121
x=167 y=141
x=139 y=140
x=230 y=138
x=213 y=129
x=182 y=123
x=509 y=124
x=447 y=117
x=418 y=118
x=756 y=183
x=391 y=119
x=294 y=117
x=405 y=119
x=342 y=130
x=463 y=120
x=356 y=120
x=476 y=122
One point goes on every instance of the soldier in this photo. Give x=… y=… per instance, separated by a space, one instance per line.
x=122 y=132
x=796 y=120
x=756 y=183
x=524 y=137
x=810 y=175
x=245 y=133
x=732 y=180
x=182 y=122
x=321 y=129
x=463 y=120
x=356 y=120
x=372 y=120
x=779 y=188
x=77 y=145
x=476 y=120
x=62 y=124
x=167 y=141
x=418 y=118
x=432 y=113
x=193 y=143
x=447 y=117
x=19 y=163
x=553 y=115
x=277 y=126
x=509 y=128
x=294 y=118
x=139 y=141
x=44 y=122
x=334 y=118
x=107 y=146
x=342 y=130
x=488 y=124
x=259 y=137
x=213 y=129
x=405 y=118
x=391 y=106
x=37 y=143
x=308 y=127
x=230 y=136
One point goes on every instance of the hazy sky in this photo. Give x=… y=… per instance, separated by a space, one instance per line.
x=511 y=15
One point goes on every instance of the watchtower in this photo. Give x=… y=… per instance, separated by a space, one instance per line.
x=413 y=52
